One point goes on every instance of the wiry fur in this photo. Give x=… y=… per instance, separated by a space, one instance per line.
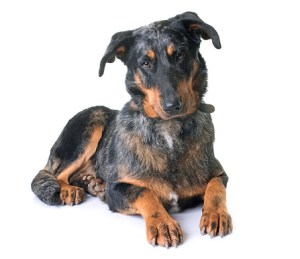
x=156 y=154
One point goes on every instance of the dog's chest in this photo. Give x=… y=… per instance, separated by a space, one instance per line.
x=168 y=157
x=169 y=146
x=182 y=148
x=168 y=139
x=168 y=136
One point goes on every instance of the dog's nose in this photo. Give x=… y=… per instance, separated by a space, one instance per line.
x=171 y=106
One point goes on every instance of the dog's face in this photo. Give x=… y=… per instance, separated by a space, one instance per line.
x=164 y=65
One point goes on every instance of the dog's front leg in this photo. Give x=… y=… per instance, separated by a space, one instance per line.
x=161 y=228
x=215 y=218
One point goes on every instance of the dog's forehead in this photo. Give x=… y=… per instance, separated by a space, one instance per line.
x=159 y=34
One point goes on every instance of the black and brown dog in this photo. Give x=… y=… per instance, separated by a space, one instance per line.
x=156 y=154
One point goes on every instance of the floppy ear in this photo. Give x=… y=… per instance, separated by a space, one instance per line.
x=117 y=47
x=193 y=24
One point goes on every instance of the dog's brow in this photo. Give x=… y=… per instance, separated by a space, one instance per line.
x=170 y=49
x=151 y=54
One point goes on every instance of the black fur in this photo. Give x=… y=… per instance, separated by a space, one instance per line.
x=162 y=139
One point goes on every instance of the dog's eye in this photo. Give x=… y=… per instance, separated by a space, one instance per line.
x=179 y=55
x=146 y=64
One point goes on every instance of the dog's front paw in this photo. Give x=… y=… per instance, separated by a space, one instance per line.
x=215 y=223
x=163 y=231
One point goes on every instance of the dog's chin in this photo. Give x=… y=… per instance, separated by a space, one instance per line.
x=167 y=116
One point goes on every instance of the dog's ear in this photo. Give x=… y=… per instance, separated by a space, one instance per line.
x=197 y=28
x=118 y=47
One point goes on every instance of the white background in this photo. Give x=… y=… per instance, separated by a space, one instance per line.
x=49 y=57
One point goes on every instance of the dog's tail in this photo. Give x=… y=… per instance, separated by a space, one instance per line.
x=46 y=187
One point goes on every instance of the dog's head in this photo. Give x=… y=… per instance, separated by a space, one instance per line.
x=165 y=67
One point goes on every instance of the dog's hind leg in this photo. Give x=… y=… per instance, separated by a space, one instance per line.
x=70 y=168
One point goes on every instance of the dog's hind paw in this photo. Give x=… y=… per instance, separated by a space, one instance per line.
x=95 y=186
x=71 y=195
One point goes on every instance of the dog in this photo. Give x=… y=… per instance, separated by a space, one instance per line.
x=155 y=156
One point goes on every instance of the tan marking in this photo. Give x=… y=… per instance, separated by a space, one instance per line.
x=188 y=94
x=147 y=203
x=215 y=219
x=191 y=191
x=82 y=159
x=160 y=188
x=161 y=229
x=120 y=50
x=187 y=90
x=85 y=170
x=194 y=27
x=151 y=54
x=151 y=103
x=170 y=49
x=163 y=189
x=70 y=195
x=149 y=110
x=215 y=188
